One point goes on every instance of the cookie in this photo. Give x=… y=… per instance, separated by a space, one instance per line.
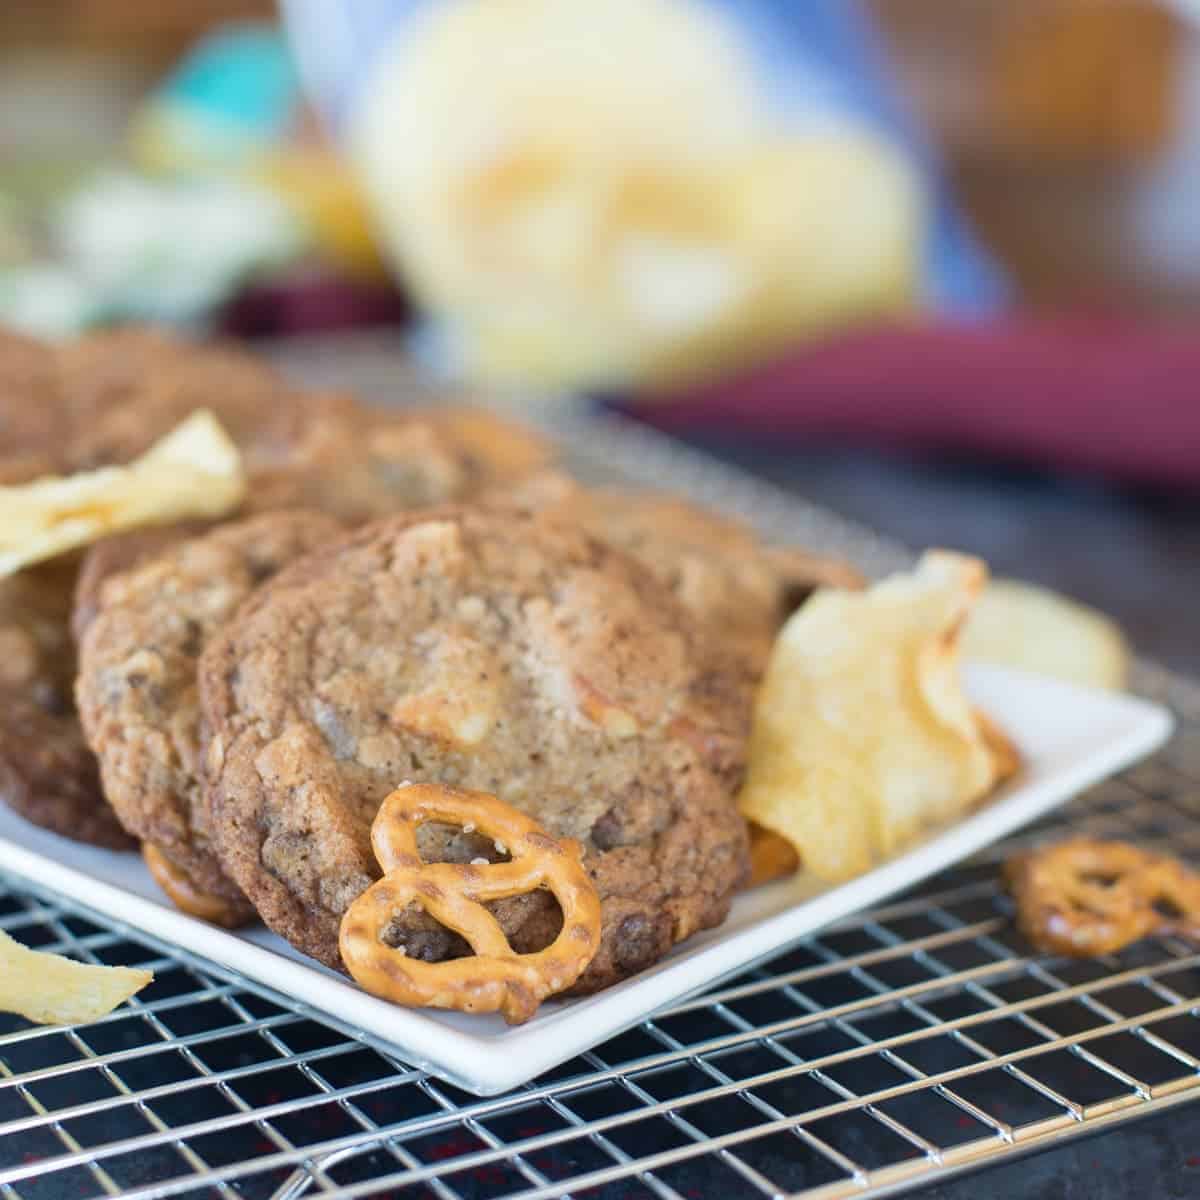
x=47 y=772
x=137 y=678
x=495 y=449
x=32 y=423
x=721 y=572
x=493 y=650
x=121 y=552
x=123 y=390
x=359 y=465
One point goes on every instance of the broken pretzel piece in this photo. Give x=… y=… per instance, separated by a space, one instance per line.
x=495 y=978
x=1083 y=897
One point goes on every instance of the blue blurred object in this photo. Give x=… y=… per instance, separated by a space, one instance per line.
x=821 y=54
x=961 y=278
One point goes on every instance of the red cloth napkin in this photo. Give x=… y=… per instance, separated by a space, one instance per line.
x=1115 y=396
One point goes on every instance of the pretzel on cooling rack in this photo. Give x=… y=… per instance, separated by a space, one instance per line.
x=495 y=977
x=1083 y=897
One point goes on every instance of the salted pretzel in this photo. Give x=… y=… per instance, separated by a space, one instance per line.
x=496 y=977
x=186 y=896
x=1083 y=897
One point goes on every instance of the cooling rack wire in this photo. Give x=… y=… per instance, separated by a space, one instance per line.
x=897 y=1047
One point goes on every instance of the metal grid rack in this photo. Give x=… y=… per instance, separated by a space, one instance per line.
x=903 y=1044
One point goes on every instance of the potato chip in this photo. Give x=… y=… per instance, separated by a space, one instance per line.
x=862 y=736
x=1034 y=629
x=1005 y=755
x=51 y=990
x=195 y=471
x=771 y=856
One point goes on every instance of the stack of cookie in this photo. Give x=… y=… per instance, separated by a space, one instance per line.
x=404 y=596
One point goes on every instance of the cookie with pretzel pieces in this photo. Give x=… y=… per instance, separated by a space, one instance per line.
x=497 y=651
x=494 y=977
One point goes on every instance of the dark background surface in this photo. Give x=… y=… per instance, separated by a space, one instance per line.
x=1135 y=555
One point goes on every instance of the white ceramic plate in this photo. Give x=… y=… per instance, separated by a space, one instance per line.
x=1069 y=737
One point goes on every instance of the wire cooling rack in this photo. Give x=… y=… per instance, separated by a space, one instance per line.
x=901 y=1045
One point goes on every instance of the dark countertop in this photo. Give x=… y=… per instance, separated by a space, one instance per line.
x=1134 y=555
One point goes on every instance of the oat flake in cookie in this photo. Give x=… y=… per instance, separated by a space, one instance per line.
x=47 y=773
x=137 y=678
x=490 y=650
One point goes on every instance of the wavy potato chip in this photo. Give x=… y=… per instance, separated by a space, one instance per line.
x=195 y=471
x=862 y=735
x=49 y=989
x=1034 y=629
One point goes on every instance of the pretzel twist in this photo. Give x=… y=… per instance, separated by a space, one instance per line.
x=1083 y=897
x=187 y=897
x=496 y=977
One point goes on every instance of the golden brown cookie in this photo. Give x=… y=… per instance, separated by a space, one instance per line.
x=121 y=552
x=137 y=677
x=122 y=390
x=737 y=587
x=484 y=649
x=32 y=423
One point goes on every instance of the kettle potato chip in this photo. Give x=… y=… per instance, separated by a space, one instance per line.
x=195 y=471
x=49 y=989
x=862 y=735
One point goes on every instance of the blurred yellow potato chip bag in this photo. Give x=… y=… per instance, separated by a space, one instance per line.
x=601 y=193
x=862 y=735
x=195 y=471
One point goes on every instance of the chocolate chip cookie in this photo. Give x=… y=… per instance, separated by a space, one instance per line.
x=502 y=651
x=47 y=772
x=137 y=679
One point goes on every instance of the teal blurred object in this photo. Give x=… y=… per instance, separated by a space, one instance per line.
x=181 y=236
x=233 y=96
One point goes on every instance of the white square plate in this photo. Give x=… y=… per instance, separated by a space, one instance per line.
x=1070 y=738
